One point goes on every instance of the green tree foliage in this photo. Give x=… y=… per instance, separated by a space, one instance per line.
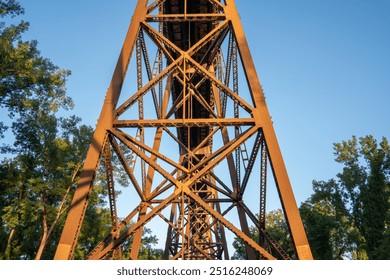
x=348 y=217
x=37 y=183
x=47 y=150
x=28 y=81
x=327 y=224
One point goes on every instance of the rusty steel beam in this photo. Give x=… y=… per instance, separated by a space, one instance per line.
x=186 y=139
x=185 y=18
x=184 y=122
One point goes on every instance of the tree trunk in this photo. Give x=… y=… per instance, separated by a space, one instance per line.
x=7 y=252
x=44 y=238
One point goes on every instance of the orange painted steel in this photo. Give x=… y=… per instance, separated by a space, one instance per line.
x=189 y=138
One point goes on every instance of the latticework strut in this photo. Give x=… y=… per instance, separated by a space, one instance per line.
x=192 y=134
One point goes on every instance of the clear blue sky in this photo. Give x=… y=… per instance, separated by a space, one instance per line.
x=324 y=67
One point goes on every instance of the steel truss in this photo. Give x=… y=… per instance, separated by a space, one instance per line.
x=187 y=140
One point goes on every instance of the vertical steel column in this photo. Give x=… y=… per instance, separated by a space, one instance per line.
x=263 y=120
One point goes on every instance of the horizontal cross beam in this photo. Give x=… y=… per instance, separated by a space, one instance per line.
x=184 y=122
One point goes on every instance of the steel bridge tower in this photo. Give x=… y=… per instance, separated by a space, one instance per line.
x=190 y=128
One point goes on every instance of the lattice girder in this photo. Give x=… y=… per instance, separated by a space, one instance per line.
x=187 y=140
